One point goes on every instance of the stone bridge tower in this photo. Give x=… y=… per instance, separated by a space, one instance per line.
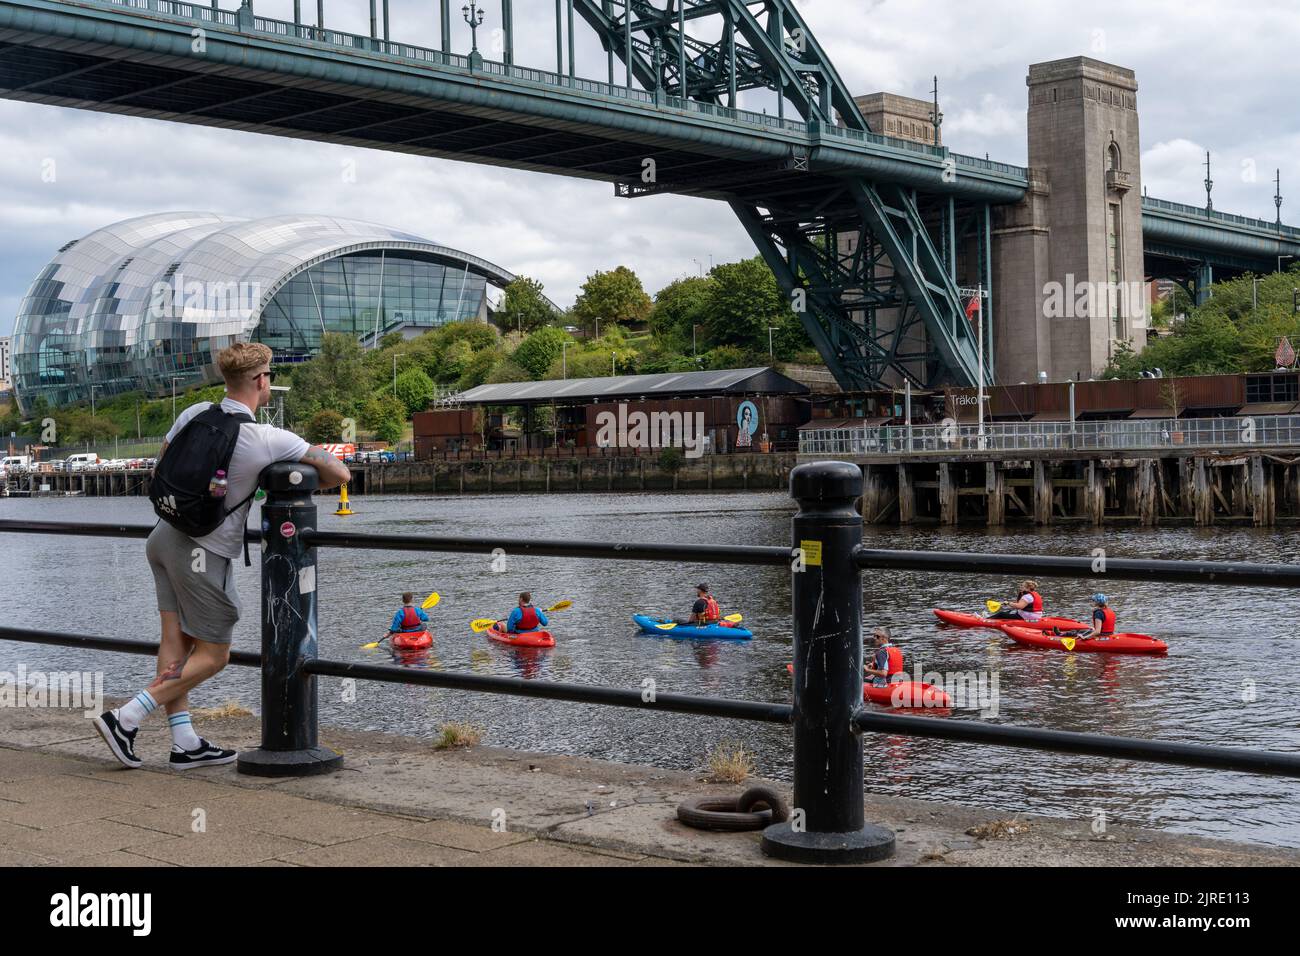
x=1068 y=264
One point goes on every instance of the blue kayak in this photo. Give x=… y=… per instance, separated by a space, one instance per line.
x=708 y=632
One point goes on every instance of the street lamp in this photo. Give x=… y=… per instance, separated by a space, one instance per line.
x=92 y=399
x=699 y=265
x=695 y=352
x=936 y=116
x=612 y=370
x=770 y=353
x=175 y=379
x=474 y=17
x=564 y=361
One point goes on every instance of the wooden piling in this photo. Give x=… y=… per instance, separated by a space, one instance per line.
x=947 y=495
x=1042 y=493
x=906 y=495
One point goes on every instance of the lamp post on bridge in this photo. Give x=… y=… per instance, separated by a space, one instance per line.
x=1209 y=184
x=474 y=17
x=936 y=116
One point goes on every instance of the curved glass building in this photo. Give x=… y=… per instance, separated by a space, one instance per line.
x=146 y=304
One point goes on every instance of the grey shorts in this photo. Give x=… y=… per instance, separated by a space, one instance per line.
x=205 y=599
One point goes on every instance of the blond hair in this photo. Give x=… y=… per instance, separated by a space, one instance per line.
x=237 y=361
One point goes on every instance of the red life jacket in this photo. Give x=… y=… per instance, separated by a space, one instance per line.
x=528 y=620
x=711 y=610
x=895 y=665
x=1036 y=601
x=410 y=620
x=1107 y=622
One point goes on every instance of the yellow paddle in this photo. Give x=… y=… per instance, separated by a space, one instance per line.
x=733 y=618
x=431 y=601
x=1068 y=643
x=993 y=606
x=481 y=624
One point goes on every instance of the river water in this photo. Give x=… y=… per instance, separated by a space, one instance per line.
x=1230 y=677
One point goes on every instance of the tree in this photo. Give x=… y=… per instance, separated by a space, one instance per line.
x=334 y=379
x=744 y=301
x=524 y=307
x=614 y=296
x=679 y=307
x=386 y=417
x=415 y=390
x=477 y=368
x=536 y=353
x=325 y=426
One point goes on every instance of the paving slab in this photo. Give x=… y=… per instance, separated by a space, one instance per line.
x=221 y=848
x=382 y=850
x=65 y=843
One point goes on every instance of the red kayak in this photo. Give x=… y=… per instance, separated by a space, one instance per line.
x=412 y=642
x=1115 y=644
x=974 y=620
x=498 y=632
x=903 y=693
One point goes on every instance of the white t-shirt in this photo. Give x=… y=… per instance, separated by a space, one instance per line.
x=258 y=446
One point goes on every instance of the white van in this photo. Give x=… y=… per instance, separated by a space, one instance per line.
x=82 y=461
x=16 y=464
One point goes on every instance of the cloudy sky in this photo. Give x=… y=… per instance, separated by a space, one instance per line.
x=1212 y=75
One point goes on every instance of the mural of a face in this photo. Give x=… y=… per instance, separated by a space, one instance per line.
x=747 y=424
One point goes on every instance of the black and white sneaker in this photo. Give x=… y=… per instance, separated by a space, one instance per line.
x=204 y=755
x=119 y=740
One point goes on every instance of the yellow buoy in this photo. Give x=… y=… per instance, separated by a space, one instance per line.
x=343 y=501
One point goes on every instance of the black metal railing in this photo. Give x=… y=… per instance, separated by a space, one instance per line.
x=827 y=560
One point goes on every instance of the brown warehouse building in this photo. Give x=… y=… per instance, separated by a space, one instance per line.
x=571 y=416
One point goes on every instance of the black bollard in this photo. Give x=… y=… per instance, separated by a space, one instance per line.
x=289 y=745
x=827 y=820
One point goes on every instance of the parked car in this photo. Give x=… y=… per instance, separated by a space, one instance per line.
x=82 y=461
x=16 y=464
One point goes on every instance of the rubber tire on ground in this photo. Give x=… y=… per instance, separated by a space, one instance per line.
x=767 y=798
x=720 y=814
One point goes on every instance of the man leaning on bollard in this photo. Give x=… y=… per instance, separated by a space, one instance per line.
x=213 y=454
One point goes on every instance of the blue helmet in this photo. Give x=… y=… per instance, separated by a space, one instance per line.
x=1099 y=598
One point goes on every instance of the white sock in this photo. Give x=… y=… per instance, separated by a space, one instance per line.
x=136 y=709
x=183 y=734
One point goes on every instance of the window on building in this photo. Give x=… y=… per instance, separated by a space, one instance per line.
x=1115 y=252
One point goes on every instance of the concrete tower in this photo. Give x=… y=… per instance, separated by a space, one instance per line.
x=1068 y=260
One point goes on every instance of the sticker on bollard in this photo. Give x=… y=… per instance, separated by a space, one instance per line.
x=287 y=530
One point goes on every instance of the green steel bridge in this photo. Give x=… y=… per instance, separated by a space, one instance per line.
x=873 y=238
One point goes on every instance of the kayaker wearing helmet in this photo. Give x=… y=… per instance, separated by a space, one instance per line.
x=525 y=617
x=1103 y=618
x=1028 y=605
x=1103 y=622
x=410 y=619
x=705 y=610
x=887 y=660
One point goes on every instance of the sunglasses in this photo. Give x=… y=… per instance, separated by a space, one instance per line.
x=270 y=376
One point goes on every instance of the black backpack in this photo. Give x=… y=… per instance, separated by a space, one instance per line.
x=179 y=489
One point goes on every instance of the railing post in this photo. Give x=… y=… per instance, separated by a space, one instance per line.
x=827 y=822
x=289 y=745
